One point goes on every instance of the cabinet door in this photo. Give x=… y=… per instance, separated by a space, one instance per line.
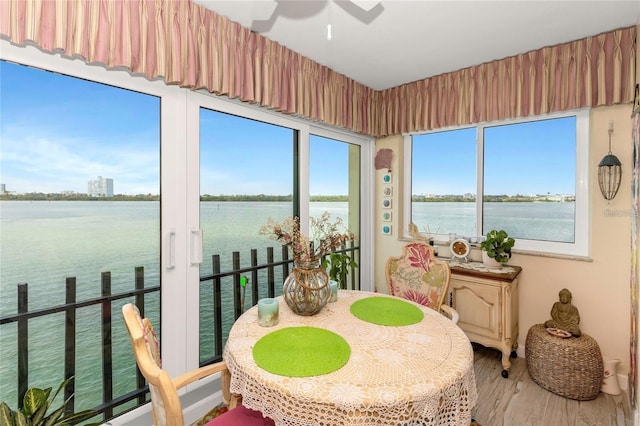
x=479 y=305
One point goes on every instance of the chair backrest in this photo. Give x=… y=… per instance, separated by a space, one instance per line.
x=165 y=402
x=417 y=275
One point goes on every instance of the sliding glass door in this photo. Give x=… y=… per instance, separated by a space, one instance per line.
x=251 y=165
x=80 y=220
x=246 y=177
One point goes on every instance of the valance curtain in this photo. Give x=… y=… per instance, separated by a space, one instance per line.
x=188 y=45
x=591 y=72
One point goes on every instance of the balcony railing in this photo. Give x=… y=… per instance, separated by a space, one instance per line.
x=115 y=402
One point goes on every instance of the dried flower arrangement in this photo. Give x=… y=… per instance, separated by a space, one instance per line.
x=326 y=236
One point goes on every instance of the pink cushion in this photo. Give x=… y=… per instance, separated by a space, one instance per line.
x=241 y=416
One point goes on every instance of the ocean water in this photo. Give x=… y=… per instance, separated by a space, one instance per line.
x=42 y=243
x=532 y=221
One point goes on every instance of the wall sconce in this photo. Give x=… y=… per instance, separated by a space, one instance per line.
x=609 y=172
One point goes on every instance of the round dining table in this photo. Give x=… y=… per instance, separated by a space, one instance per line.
x=415 y=374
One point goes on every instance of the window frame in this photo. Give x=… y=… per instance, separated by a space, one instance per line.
x=581 y=246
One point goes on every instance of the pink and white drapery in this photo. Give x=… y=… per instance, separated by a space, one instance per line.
x=188 y=45
x=590 y=72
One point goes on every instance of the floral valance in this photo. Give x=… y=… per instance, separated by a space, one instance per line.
x=188 y=45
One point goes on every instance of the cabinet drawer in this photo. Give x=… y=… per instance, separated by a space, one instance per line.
x=479 y=307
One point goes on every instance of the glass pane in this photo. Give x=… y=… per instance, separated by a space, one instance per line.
x=246 y=176
x=443 y=182
x=334 y=187
x=79 y=198
x=531 y=196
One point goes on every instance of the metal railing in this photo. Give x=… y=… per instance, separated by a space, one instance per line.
x=113 y=405
x=252 y=273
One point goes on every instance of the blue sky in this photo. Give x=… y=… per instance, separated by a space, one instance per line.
x=58 y=132
x=526 y=158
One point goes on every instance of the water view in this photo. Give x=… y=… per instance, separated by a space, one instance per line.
x=43 y=243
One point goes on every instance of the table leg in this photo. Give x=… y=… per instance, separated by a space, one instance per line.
x=231 y=400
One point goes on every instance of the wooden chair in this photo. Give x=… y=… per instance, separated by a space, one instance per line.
x=165 y=402
x=417 y=275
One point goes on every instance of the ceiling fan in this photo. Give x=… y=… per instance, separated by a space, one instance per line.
x=266 y=12
x=364 y=11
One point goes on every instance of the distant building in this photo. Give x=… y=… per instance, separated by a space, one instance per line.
x=101 y=187
x=3 y=189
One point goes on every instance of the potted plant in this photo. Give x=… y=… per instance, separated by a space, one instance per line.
x=339 y=264
x=496 y=248
x=35 y=410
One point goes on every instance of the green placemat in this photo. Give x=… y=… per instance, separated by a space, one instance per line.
x=301 y=352
x=386 y=311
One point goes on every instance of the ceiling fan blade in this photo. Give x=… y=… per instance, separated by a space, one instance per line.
x=364 y=11
x=365 y=5
x=264 y=9
x=286 y=8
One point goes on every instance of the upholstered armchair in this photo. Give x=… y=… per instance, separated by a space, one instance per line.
x=418 y=275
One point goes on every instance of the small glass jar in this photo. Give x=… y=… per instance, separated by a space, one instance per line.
x=268 y=312
x=333 y=285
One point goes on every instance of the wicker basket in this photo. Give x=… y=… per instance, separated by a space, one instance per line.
x=570 y=367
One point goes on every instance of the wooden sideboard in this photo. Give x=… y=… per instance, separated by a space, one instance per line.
x=488 y=307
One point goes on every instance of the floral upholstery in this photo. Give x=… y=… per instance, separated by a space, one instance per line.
x=417 y=275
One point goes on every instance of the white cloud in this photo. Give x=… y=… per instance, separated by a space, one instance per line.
x=37 y=163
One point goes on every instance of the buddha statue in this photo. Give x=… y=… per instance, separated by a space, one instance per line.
x=564 y=315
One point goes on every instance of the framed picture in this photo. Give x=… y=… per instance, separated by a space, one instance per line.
x=386 y=203
x=636 y=102
x=387 y=191
x=386 y=229
x=386 y=178
x=386 y=216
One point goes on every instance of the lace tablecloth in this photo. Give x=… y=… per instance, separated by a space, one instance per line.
x=420 y=374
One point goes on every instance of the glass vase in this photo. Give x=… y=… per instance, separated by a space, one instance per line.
x=306 y=290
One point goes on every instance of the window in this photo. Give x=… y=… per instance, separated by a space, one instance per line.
x=246 y=177
x=334 y=180
x=80 y=193
x=254 y=165
x=531 y=175
x=334 y=185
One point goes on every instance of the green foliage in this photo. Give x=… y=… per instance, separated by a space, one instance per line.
x=35 y=406
x=339 y=266
x=498 y=245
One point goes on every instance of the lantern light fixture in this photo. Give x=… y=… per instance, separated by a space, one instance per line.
x=609 y=172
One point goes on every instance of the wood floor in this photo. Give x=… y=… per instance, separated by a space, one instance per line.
x=519 y=401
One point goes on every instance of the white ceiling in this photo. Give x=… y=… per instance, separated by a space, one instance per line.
x=387 y=43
